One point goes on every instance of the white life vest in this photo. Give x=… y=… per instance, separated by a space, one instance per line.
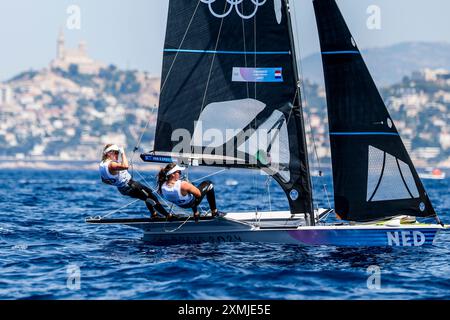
x=119 y=180
x=174 y=195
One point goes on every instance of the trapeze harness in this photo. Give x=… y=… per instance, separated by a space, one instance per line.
x=174 y=195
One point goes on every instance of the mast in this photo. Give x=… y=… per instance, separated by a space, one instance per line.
x=298 y=110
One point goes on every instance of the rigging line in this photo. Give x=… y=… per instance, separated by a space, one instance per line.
x=136 y=148
x=316 y=153
x=268 y=181
x=210 y=175
x=297 y=91
x=117 y=210
x=203 y=211
x=325 y=217
x=302 y=85
x=165 y=81
x=179 y=227
x=326 y=195
x=255 y=47
x=213 y=59
x=170 y=205
x=178 y=51
x=155 y=191
x=245 y=49
x=298 y=84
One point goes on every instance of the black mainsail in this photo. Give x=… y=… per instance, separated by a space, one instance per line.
x=230 y=94
x=373 y=174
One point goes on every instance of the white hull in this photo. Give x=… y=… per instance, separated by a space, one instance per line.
x=281 y=227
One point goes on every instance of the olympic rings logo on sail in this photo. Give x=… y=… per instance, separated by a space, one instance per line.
x=235 y=4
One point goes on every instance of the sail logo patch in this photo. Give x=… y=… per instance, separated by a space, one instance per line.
x=293 y=195
x=233 y=4
x=278 y=74
x=257 y=75
x=422 y=207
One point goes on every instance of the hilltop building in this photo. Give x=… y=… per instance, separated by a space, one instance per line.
x=66 y=57
x=6 y=95
x=431 y=75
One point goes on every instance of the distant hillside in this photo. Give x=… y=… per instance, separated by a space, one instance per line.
x=67 y=114
x=390 y=64
x=70 y=115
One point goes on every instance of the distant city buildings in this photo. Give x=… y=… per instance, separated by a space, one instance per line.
x=70 y=110
x=432 y=75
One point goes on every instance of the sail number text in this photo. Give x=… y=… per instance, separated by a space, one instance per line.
x=406 y=239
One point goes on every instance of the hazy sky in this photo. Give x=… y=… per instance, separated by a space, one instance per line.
x=130 y=33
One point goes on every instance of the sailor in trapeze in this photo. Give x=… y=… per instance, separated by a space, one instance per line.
x=114 y=172
x=183 y=193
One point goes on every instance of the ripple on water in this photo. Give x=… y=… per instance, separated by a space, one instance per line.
x=44 y=242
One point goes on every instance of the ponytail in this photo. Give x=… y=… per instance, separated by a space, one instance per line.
x=162 y=175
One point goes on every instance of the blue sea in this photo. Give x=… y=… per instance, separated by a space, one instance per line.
x=48 y=252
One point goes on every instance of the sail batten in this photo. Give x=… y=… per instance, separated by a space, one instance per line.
x=373 y=174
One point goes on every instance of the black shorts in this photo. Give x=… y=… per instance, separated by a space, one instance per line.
x=137 y=190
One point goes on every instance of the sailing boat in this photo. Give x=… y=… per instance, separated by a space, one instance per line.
x=230 y=66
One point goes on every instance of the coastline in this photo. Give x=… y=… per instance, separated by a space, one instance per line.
x=92 y=165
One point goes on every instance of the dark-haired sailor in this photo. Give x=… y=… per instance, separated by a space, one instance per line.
x=185 y=194
x=115 y=173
